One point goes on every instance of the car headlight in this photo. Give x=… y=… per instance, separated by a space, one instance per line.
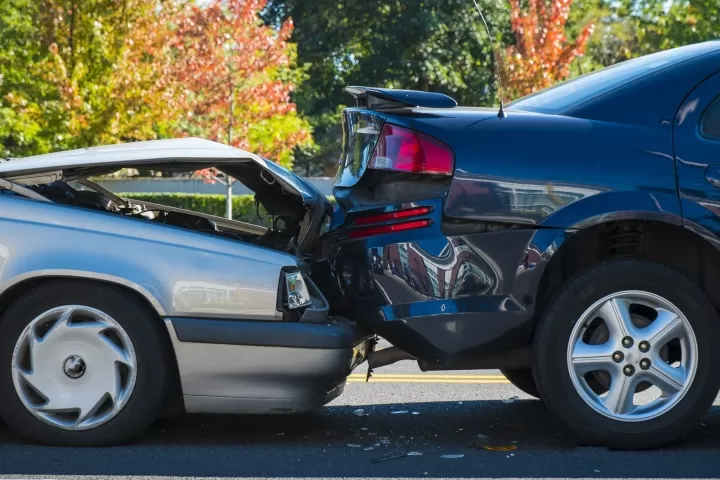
x=296 y=290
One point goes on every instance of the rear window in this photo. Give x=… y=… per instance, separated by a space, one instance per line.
x=566 y=95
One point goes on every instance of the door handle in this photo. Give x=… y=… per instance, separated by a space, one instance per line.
x=712 y=174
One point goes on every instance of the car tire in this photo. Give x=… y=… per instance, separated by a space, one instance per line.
x=115 y=331
x=522 y=380
x=576 y=397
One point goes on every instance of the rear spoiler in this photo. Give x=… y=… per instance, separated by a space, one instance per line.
x=379 y=98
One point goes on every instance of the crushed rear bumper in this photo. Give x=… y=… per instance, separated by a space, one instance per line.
x=241 y=366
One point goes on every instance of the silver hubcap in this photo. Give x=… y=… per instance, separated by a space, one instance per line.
x=74 y=367
x=632 y=356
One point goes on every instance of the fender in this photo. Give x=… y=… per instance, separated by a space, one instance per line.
x=703 y=219
x=617 y=205
x=187 y=273
x=557 y=228
x=149 y=293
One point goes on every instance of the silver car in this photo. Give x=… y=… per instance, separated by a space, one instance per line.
x=117 y=311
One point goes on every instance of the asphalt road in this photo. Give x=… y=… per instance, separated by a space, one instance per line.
x=439 y=415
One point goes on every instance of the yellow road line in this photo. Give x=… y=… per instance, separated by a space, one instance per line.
x=422 y=380
x=429 y=375
x=431 y=378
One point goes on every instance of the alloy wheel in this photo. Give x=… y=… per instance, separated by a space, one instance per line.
x=632 y=356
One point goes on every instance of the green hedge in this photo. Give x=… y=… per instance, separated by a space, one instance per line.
x=244 y=208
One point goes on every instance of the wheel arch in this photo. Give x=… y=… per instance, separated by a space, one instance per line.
x=28 y=280
x=656 y=240
x=20 y=285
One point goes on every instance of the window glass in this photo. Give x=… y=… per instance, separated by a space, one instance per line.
x=573 y=92
x=711 y=121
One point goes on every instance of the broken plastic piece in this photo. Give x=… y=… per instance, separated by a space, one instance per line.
x=391 y=457
x=480 y=441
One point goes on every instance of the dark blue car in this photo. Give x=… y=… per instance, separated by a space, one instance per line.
x=571 y=242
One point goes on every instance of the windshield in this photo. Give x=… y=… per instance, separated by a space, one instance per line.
x=563 y=96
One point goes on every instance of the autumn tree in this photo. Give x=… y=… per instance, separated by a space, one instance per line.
x=81 y=73
x=229 y=76
x=215 y=70
x=541 y=54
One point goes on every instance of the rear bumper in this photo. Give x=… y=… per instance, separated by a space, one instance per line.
x=239 y=366
x=449 y=300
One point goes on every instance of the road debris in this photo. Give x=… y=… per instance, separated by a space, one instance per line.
x=452 y=455
x=391 y=457
x=416 y=413
x=399 y=412
x=480 y=441
x=500 y=448
x=360 y=412
x=511 y=399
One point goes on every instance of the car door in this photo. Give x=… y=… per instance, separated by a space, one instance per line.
x=697 y=157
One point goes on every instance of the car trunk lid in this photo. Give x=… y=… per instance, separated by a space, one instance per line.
x=280 y=191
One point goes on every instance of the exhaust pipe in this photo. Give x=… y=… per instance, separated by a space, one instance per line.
x=387 y=356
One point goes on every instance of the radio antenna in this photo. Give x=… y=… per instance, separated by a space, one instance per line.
x=501 y=93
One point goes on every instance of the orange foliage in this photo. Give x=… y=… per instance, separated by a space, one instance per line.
x=216 y=71
x=541 y=55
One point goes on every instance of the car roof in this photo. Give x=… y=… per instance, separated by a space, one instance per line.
x=571 y=93
x=179 y=150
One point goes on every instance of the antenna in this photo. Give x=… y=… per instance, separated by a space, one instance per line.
x=501 y=113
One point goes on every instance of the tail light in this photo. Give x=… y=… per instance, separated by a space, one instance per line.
x=395 y=227
x=296 y=292
x=385 y=217
x=367 y=226
x=404 y=150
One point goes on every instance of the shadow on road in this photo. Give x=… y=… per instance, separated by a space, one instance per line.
x=336 y=443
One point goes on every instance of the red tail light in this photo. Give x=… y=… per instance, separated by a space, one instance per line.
x=407 y=224
x=395 y=227
x=404 y=150
x=385 y=217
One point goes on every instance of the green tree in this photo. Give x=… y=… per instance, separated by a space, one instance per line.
x=631 y=28
x=59 y=62
x=26 y=96
x=433 y=45
x=81 y=73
